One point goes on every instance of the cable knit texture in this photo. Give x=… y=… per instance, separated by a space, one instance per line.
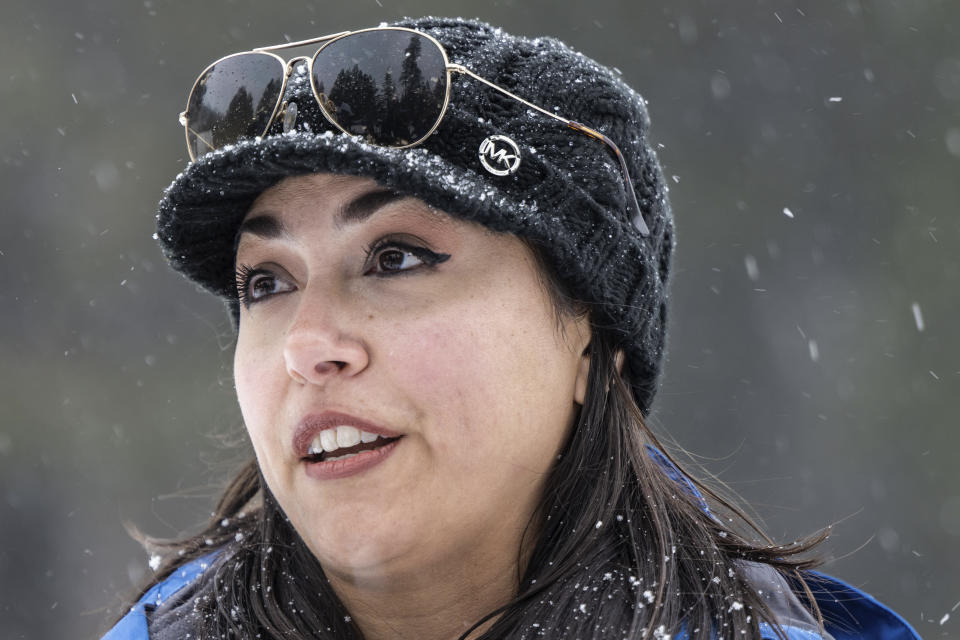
x=568 y=194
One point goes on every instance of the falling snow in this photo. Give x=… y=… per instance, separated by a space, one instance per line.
x=753 y=272
x=917 y=316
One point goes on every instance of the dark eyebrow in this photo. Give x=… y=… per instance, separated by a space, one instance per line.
x=269 y=227
x=264 y=225
x=364 y=206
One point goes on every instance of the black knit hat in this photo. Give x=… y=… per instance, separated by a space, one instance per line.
x=567 y=195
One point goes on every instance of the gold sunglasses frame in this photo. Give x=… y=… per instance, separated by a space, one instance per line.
x=450 y=68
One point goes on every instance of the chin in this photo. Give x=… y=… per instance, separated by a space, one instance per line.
x=357 y=546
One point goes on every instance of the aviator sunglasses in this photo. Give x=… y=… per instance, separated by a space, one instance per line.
x=352 y=77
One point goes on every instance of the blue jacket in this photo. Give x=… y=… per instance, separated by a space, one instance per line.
x=849 y=612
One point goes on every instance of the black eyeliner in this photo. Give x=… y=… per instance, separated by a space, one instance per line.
x=429 y=257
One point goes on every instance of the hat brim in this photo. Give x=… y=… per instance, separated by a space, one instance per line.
x=202 y=209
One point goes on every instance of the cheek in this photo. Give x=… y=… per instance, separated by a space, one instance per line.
x=441 y=367
x=244 y=375
x=256 y=377
x=478 y=374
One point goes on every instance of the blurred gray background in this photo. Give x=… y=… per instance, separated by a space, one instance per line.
x=813 y=154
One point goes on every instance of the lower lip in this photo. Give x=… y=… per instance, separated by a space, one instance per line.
x=350 y=466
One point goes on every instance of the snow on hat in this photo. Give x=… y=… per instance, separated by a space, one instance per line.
x=567 y=195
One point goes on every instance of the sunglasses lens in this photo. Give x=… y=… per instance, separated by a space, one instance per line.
x=387 y=86
x=233 y=99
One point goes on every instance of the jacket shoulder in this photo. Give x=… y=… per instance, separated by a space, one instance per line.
x=134 y=625
x=847 y=612
x=851 y=614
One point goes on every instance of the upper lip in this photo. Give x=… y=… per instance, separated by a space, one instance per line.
x=314 y=423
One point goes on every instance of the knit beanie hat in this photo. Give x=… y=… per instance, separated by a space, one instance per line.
x=567 y=195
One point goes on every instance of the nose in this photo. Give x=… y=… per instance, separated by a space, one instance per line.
x=318 y=348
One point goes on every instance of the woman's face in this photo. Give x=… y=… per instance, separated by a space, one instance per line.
x=370 y=317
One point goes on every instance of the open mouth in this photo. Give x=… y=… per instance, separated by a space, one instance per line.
x=344 y=442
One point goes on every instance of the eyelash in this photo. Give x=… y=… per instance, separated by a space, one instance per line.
x=246 y=274
x=244 y=277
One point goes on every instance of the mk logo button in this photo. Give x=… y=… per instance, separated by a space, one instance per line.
x=499 y=155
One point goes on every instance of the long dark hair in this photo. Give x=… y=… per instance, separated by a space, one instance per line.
x=623 y=544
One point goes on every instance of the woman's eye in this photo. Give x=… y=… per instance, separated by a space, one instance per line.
x=397 y=260
x=255 y=285
x=398 y=257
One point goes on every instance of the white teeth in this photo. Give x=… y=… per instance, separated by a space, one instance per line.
x=340 y=437
x=328 y=438
x=348 y=436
